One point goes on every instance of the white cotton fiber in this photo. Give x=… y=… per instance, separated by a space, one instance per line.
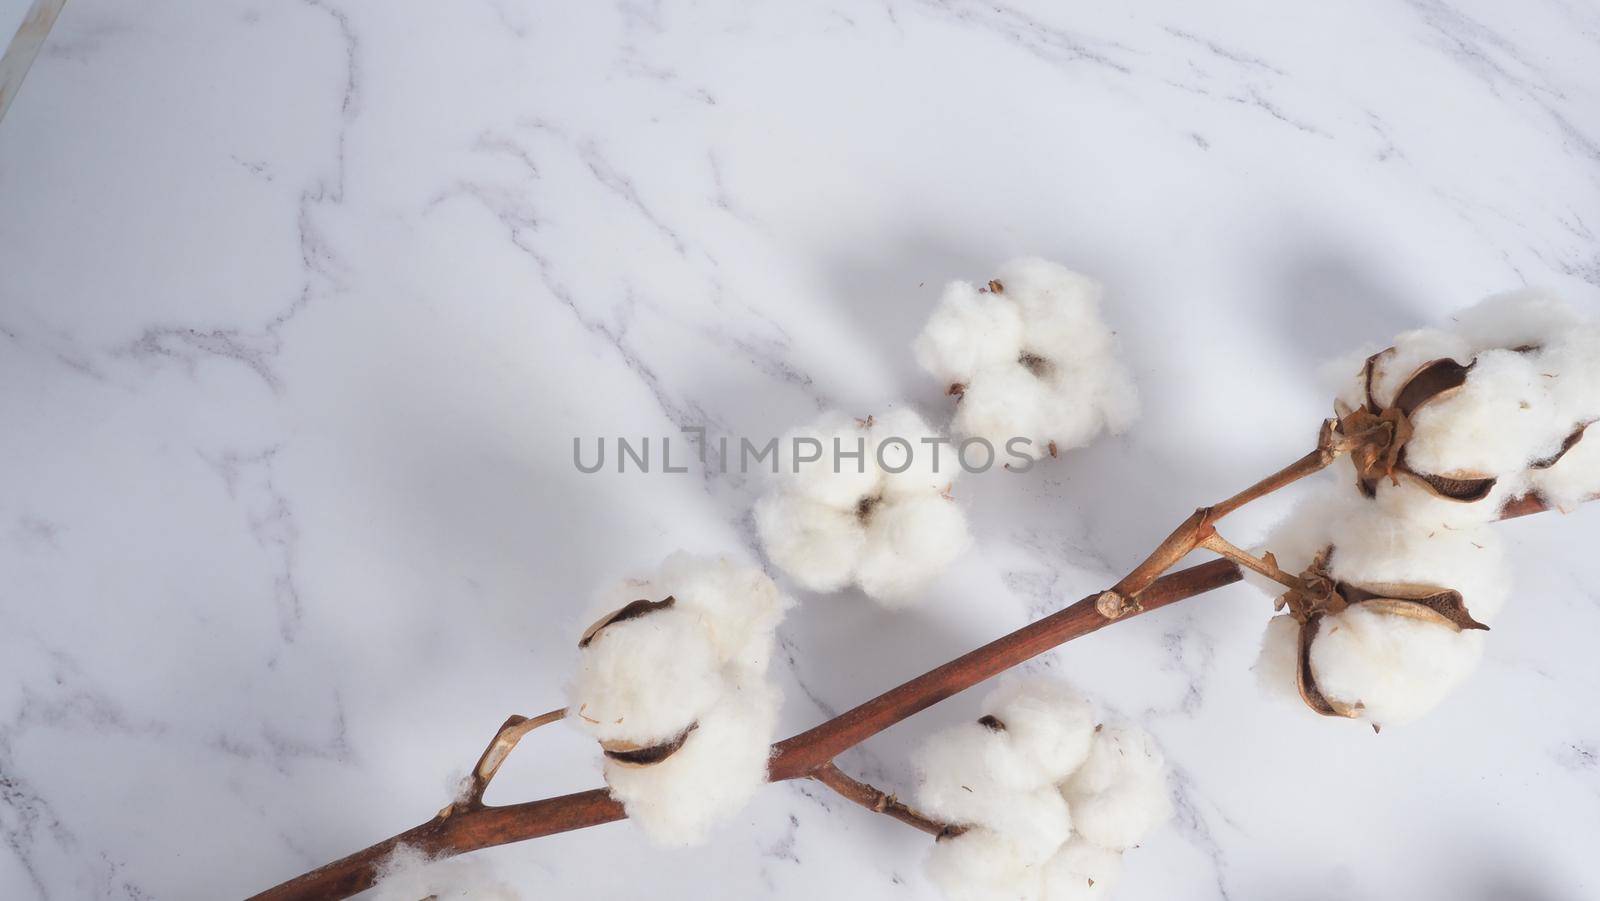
x=643 y=680
x=720 y=767
x=1396 y=668
x=1081 y=871
x=1029 y=356
x=816 y=544
x=891 y=530
x=1277 y=666
x=693 y=670
x=1107 y=788
x=983 y=865
x=1047 y=723
x=739 y=604
x=1575 y=478
x=1119 y=795
x=407 y=875
x=1493 y=425
x=972 y=775
x=905 y=542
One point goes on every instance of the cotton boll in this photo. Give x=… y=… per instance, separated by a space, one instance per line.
x=1057 y=379
x=1495 y=424
x=407 y=874
x=1278 y=665
x=1081 y=871
x=1575 y=478
x=972 y=775
x=818 y=545
x=644 y=680
x=909 y=542
x=968 y=332
x=1120 y=793
x=1046 y=722
x=740 y=605
x=1395 y=667
x=711 y=777
x=982 y=865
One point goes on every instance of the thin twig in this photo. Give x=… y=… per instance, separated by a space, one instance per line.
x=879 y=801
x=500 y=747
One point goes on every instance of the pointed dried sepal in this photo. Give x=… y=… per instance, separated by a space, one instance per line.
x=1424 y=602
x=1570 y=442
x=1464 y=487
x=633 y=755
x=1306 y=680
x=633 y=610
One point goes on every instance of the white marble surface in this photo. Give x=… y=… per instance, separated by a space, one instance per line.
x=301 y=305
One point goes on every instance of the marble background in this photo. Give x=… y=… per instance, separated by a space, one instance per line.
x=301 y=305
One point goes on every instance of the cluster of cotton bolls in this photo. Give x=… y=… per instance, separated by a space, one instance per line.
x=1029 y=356
x=672 y=680
x=1048 y=799
x=864 y=501
x=1400 y=568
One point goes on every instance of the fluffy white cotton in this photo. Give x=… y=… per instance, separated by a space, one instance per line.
x=1575 y=478
x=867 y=503
x=643 y=680
x=1394 y=667
x=1120 y=793
x=906 y=541
x=1033 y=359
x=720 y=767
x=983 y=865
x=1534 y=379
x=1048 y=725
x=740 y=606
x=694 y=668
x=1081 y=871
x=1106 y=789
x=407 y=875
x=974 y=775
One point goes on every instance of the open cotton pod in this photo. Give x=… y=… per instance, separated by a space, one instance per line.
x=1392 y=616
x=1047 y=799
x=672 y=683
x=864 y=501
x=1467 y=418
x=1028 y=356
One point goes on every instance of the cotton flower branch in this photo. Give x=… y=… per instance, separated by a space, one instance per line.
x=1385 y=585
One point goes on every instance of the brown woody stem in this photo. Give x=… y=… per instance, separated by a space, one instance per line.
x=1268 y=567
x=1125 y=597
x=879 y=801
x=805 y=755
